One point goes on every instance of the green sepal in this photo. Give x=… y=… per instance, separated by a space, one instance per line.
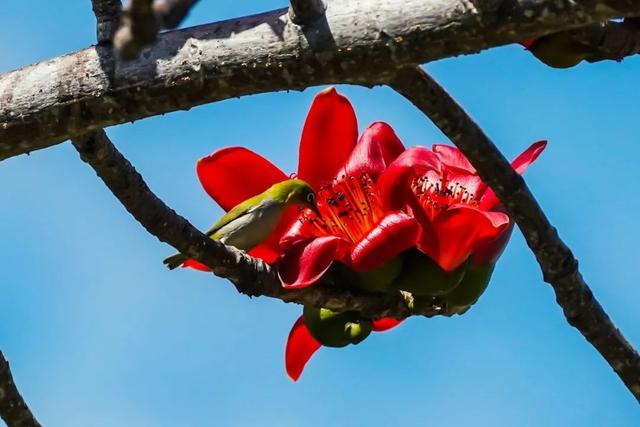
x=423 y=277
x=473 y=285
x=333 y=329
x=380 y=278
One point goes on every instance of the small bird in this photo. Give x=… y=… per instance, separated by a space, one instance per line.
x=249 y=223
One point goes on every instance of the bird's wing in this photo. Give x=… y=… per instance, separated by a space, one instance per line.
x=236 y=212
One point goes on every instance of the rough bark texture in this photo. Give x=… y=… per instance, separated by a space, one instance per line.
x=13 y=409
x=108 y=18
x=558 y=265
x=45 y=103
x=251 y=276
x=611 y=40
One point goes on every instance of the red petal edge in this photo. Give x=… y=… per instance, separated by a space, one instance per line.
x=329 y=135
x=234 y=174
x=385 y=323
x=393 y=234
x=299 y=349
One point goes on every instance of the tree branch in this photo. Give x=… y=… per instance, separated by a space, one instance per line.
x=303 y=12
x=108 y=18
x=558 y=265
x=262 y=53
x=13 y=409
x=138 y=28
x=610 y=40
x=170 y=13
x=251 y=276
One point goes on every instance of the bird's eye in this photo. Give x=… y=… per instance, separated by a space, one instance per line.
x=311 y=198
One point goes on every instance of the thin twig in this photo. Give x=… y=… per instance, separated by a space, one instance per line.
x=141 y=21
x=13 y=409
x=251 y=276
x=108 y=18
x=558 y=265
x=304 y=12
x=138 y=28
x=170 y=13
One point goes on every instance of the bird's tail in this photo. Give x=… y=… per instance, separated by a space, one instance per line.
x=175 y=261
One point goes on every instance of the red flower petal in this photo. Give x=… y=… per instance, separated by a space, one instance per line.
x=378 y=147
x=232 y=175
x=489 y=200
x=488 y=252
x=528 y=43
x=393 y=234
x=300 y=347
x=192 y=263
x=453 y=158
x=385 y=324
x=329 y=135
x=393 y=184
x=459 y=230
x=528 y=156
x=305 y=261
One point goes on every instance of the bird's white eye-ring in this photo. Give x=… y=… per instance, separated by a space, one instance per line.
x=311 y=198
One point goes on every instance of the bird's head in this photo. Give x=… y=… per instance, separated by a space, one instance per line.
x=295 y=192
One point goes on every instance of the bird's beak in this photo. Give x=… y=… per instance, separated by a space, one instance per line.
x=315 y=210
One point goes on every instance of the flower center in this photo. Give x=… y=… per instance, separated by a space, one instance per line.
x=437 y=194
x=349 y=208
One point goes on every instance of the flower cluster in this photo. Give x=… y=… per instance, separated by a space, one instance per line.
x=389 y=218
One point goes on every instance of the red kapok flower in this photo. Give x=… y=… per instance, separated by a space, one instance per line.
x=342 y=170
x=459 y=215
x=354 y=227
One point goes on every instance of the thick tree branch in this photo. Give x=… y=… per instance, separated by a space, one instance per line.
x=356 y=42
x=558 y=265
x=13 y=409
x=108 y=18
x=251 y=276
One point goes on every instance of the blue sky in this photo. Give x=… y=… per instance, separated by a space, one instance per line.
x=99 y=333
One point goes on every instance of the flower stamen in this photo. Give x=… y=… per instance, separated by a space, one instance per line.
x=349 y=208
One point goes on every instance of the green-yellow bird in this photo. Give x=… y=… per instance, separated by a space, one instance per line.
x=249 y=223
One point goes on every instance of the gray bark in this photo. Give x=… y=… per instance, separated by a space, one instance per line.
x=46 y=103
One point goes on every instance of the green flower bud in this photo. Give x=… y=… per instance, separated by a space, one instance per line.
x=559 y=50
x=423 y=277
x=333 y=329
x=473 y=284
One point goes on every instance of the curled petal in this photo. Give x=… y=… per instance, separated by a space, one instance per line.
x=393 y=234
x=459 y=230
x=519 y=164
x=487 y=252
x=305 y=261
x=328 y=137
x=300 y=347
x=297 y=230
x=232 y=175
x=453 y=158
x=378 y=147
x=385 y=323
x=394 y=182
